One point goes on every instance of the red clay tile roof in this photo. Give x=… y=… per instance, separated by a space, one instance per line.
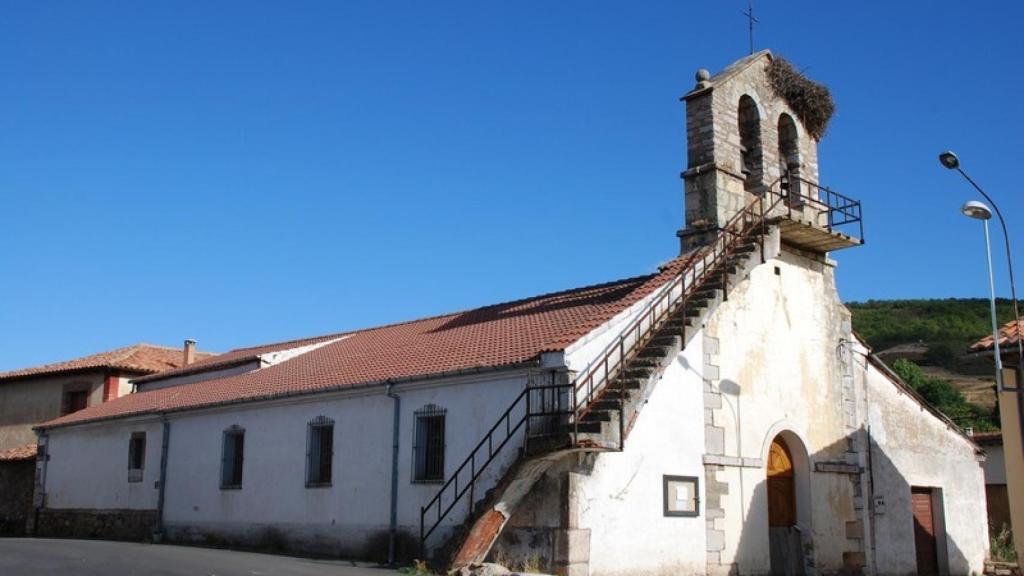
x=501 y=335
x=144 y=358
x=988 y=438
x=26 y=452
x=232 y=358
x=1008 y=334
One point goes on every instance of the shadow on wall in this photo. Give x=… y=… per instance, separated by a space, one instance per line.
x=802 y=517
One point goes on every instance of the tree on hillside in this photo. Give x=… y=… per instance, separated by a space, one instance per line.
x=947 y=399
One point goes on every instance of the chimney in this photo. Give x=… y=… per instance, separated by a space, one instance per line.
x=190 y=351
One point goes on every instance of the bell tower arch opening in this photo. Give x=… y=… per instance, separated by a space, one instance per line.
x=789 y=158
x=751 y=153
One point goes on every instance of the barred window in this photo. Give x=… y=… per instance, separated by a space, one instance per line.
x=136 y=456
x=232 y=457
x=319 y=452
x=428 y=444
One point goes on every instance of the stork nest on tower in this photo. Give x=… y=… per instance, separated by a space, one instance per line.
x=812 y=102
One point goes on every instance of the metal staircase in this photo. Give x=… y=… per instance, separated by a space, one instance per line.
x=596 y=411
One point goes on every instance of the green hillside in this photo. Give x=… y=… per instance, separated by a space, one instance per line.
x=949 y=325
x=926 y=343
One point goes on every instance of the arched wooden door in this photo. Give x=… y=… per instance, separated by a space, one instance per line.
x=784 y=537
x=781 y=487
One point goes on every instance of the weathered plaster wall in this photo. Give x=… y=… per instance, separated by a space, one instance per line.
x=25 y=403
x=778 y=336
x=912 y=447
x=620 y=499
x=88 y=466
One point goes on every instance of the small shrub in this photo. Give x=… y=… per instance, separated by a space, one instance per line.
x=1001 y=545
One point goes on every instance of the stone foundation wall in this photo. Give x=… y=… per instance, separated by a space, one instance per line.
x=132 y=525
x=16 y=482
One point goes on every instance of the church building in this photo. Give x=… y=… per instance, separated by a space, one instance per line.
x=717 y=416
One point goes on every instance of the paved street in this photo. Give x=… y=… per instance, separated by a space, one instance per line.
x=31 y=557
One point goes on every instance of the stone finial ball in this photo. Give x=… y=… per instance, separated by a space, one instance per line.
x=703 y=75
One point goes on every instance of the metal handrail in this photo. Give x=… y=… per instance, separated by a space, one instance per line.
x=840 y=210
x=699 y=267
x=511 y=427
x=614 y=356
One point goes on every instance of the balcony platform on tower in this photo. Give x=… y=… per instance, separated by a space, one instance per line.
x=814 y=218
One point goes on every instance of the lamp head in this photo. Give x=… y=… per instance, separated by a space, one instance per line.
x=976 y=210
x=949 y=160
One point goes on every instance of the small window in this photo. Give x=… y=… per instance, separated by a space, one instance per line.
x=319 y=452
x=75 y=400
x=136 y=456
x=428 y=445
x=232 y=458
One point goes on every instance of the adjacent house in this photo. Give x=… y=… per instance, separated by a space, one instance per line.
x=715 y=416
x=1006 y=449
x=30 y=396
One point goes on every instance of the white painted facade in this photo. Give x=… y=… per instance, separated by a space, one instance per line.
x=88 y=464
x=776 y=359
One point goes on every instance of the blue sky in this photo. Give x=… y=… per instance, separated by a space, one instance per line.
x=248 y=172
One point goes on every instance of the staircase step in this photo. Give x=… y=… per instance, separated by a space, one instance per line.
x=607 y=403
x=706 y=293
x=692 y=312
x=746 y=248
x=627 y=383
x=601 y=416
x=638 y=372
x=654 y=352
x=660 y=340
x=585 y=427
x=652 y=363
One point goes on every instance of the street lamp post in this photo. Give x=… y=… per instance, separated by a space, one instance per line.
x=1011 y=400
x=979 y=211
x=952 y=162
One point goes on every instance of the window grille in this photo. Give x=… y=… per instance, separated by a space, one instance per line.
x=232 y=457
x=319 y=452
x=136 y=456
x=428 y=444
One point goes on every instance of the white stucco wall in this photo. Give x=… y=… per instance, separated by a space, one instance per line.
x=912 y=447
x=621 y=500
x=88 y=467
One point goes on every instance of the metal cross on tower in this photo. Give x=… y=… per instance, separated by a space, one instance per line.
x=749 y=13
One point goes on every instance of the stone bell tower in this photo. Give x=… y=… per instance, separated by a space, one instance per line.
x=745 y=138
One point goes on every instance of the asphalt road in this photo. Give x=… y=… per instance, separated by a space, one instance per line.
x=36 y=556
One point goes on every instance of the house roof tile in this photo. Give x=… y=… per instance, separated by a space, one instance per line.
x=494 y=336
x=26 y=452
x=1008 y=334
x=139 y=358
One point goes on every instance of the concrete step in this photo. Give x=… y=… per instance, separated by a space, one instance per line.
x=609 y=402
x=659 y=340
x=651 y=363
x=637 y=372
x=601 y=416
x=654 y=352
x=627 y=383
